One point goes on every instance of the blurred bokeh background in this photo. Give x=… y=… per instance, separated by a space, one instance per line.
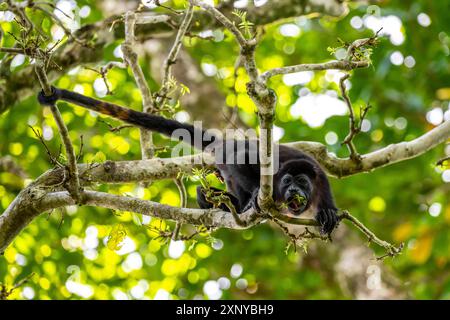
x=408 y=87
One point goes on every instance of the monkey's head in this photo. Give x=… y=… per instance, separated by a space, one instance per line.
x=296 y=185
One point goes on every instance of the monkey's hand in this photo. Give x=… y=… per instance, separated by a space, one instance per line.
x=327 y=219
x=253 y=202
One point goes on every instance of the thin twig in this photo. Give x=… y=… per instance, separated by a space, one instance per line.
x=12 y=50
x=53 y=160
x=391 y=250
x=354 y=129
x=219 y=16
x=442 y=161
x=173 y=54
x=5 y=292
x=74 y=182
x=60 y=23
x=103 y=72
x=183 y=203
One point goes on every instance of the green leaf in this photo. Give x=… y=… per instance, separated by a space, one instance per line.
x=116 y=237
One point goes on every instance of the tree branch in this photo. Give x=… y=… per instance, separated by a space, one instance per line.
x=74 y=182
x=338 y=65
x=341 y=167
x=131 y=58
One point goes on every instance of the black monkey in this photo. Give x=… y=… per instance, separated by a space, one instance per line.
x=300 y=182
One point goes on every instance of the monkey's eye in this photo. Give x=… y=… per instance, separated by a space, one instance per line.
x=287 y=180
x=301 y=179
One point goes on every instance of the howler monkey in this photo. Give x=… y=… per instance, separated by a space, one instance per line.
x=299 y=183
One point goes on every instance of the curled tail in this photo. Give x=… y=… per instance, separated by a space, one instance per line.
x=145 y=120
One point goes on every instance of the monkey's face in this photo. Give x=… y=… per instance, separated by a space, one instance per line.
x=296 y=192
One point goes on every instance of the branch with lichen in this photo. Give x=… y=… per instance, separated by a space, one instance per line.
x=331 y=65
x=393 y=153
x=131 y=58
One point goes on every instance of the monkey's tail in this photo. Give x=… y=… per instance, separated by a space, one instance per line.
x=145 y=120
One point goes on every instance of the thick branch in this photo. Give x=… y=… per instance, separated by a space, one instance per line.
x=32 y=201
x=391 y=154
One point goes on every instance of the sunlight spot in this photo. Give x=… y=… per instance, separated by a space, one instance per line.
x=224 y=283
x=435 y=116
x=21 y=260
x=334 y=76
x=400 y=123
x=209 y=69
x=85 y=11
x=47 y=133
x=446 y=176
x=90 y=243
x=18 y=60
x=120 y=295
x=315 y=109
x=410 y=62
x=236 y=270
x=396 y=58
x=290 y=30
x=217 y=244
x=331 y=138
x=295 y=78
x=366 y=125
x=240 y=4
x=128 y=246
x=447 y=115
x=423 y=19
x=241 y=284
x=162 y=294
x=392 y=27
x=176 y=249
x=211 y=289
x=6 y=16
x=137 y=292
x=118 y=52
x=435 y=209
x=79 y=289
x=356 y=22
x=182 y=116
x=340 y=54
x=100 y=87
x=259 y=3
x=132 y=262
x=278 y=133
x=28 y=293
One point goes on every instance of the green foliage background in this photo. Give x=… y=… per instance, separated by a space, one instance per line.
x=394 y=201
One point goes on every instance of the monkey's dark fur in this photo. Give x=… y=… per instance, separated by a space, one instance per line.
x=300 y=182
